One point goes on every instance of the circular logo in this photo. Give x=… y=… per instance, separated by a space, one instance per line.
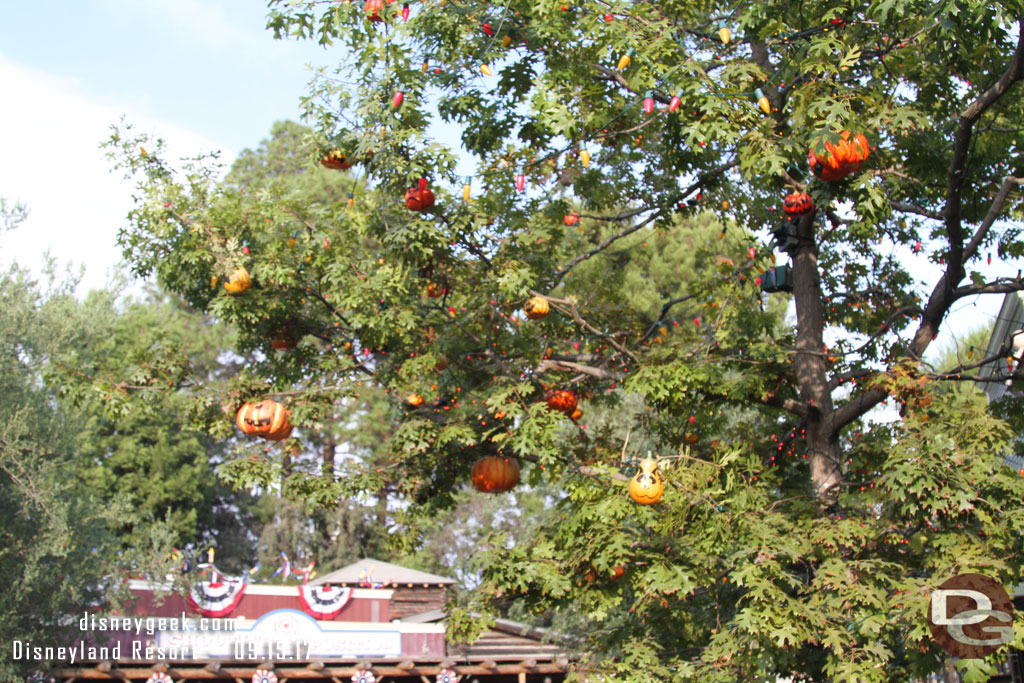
x=971 y=616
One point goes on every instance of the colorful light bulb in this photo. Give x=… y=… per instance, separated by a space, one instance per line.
x=762 y=101
x=405 y=12
x=675 y=102
x=465 y=190
x=486 y=69
x=487 y=29
x=585 y=157
x=623 y=61
x=397 y=100
x=648 y=104
x=506 y=41
x=520 y=182
x=724 y=35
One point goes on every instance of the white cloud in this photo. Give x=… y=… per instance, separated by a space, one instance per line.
x=50 y=133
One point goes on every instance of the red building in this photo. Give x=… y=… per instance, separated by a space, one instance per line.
x=368 y=622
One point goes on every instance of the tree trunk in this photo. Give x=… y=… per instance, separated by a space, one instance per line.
x=811 y=366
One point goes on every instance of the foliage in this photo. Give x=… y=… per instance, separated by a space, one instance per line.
x=795 y=537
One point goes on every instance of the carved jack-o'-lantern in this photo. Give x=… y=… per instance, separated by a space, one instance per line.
x=840 y=159
x=536 y=308
x=335 y=158
x=647 y=486
x=239 y=281
x=562 y=400
x=798 y=204
x=419 y=198
x=264 y=418
x=492 y=474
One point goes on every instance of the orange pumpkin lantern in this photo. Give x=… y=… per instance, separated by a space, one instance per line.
x=798 y=204
x=264 y=418
x=414 y=400
x=419 y=198
x=647 y=486
x=562 y=400
x=841 y=159
x=492 y=474
x=536 y=308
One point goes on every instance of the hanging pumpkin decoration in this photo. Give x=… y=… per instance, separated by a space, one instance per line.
x=536 y=308
x=283 y=339
x=434 y=290
x=373 y=8
x=493 y=474
x=562 y=400
x=414 y=400
x=798 y=204
x=419 y=198
x=841 y=159
x=239 y=281
x=336 y=159
x=263 y=418
x=647 y=486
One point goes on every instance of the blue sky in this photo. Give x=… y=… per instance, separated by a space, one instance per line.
x=203 y=74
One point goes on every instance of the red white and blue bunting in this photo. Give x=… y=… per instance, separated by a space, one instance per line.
x=216 y=598
x=447 y=676
x=264 y=676
x=323 y=602
x=364 y=677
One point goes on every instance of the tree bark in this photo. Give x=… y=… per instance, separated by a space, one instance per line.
x=811 y=367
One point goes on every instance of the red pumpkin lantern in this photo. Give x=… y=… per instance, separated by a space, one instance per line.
x=373 y=8
x=562 y=400
x=798 y=204
x=419 y=198
x=492 y=474
x=263 y=418
x=841 y=159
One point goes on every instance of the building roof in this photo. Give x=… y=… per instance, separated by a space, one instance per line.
x=380 y=572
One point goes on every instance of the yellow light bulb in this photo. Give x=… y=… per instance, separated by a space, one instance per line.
x=506 y=41
x=623 y=62
x=465 y=192
x=424 y=68
x=762 y=102
x=486 y=69
x=585 y=158
x=724 y=35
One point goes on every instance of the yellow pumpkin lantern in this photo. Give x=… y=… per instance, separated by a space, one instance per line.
x=536 y=308
x=239 y=281
x=647 y=486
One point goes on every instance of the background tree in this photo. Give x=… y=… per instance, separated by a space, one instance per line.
x=795 y=537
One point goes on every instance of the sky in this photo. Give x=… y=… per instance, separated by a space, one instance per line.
x=205 y=75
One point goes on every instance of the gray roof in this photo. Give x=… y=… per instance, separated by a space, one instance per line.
x=380 y=572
